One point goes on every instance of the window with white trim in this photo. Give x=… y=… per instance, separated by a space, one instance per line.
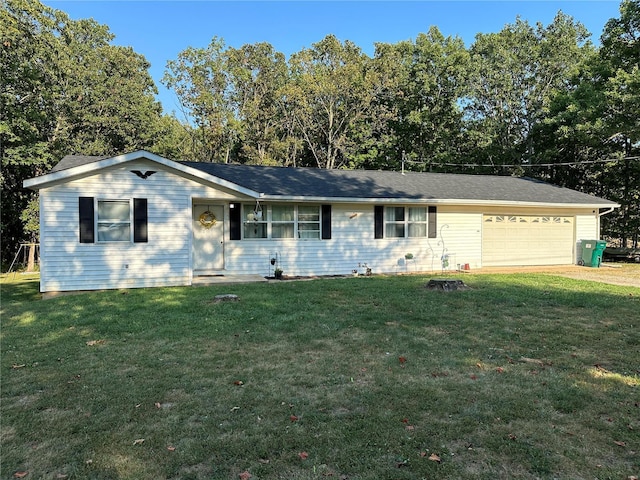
x=114 y=221
x=401 y=222
x=279 y=221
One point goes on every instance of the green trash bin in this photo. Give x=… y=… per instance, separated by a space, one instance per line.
x=592 y=251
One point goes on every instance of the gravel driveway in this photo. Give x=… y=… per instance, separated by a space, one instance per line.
x=624 y=274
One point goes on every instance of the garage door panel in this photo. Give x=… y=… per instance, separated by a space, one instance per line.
x=527 y=240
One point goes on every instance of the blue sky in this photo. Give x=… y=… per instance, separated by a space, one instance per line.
x=159 y=30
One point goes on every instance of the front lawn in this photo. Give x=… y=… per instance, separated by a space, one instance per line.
x=522 y=376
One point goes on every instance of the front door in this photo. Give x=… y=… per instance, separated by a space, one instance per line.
x=208 y=238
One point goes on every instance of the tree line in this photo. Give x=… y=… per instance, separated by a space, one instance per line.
x=535 y=100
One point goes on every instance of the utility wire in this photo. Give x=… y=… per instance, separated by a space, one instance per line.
x=523 y=165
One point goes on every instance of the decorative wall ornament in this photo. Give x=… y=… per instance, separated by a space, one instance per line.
x=143 y=175
x=208 y=219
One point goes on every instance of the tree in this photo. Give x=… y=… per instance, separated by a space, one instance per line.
x=257 y=75
x=620 y=56
x=331 y=91
x=201 y=81
x=516 y=73
x=596 y=120
x=426 y=81
x=66 y=89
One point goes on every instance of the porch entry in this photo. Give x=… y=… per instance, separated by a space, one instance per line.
x=208 y=238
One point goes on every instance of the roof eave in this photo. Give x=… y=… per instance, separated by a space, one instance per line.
x=433 y=201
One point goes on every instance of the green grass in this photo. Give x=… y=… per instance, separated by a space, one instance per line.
x=523 y=376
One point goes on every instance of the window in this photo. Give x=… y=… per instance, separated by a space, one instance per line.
x=394 y=224
x=405 y=222
x=417 y=222
x=286 y=221
x=282 y=221
x=309 y=221
x=114 y=221
x=117 y=220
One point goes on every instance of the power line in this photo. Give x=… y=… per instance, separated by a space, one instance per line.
x=522 y=165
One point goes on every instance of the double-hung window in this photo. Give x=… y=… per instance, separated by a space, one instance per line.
x=309 y=221
x=405 y=222
x=283 y=221
x=401 y=222
x=114 y=221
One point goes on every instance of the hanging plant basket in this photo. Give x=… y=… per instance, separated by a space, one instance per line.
x=208 y=219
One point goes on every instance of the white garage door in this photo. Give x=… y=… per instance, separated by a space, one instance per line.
x=527 y=240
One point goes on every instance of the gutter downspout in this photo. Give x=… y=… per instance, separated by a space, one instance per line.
x=601 y=214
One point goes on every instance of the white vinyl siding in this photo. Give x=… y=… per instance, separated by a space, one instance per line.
x=164 y=260
x=352 y=245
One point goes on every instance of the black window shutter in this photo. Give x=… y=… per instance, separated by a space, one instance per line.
x=86 y=220
x=378 y=214
x=140 y=220
x=433 y=223
x=326 y=222
x=235 y=221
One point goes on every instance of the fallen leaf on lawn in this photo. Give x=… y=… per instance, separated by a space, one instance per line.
x=88 y=462
x=263 y=461
x=20 y=474
x=62 y=476
x=410 y=427
x=233 y=409
x=158 y=405
x=91 y=343
x=139 y=441
x=15 y=366
x=238 y=383
x=479 y=365
x=500 y=370
x=620 y=444
x=402 y=360
x=171 y=448
x=244 y=475
x=303 y=455
x=435 y=458
x=632 y=477
x=512 y=436
x=293 y=418
x=532 y=360
x=405 y=420
x=473 y=377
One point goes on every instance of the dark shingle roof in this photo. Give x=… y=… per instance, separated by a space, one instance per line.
x=70 y=161
x=312 y=182
x=375 y=184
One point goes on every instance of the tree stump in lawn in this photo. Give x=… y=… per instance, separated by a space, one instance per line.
x=227 y=297
x=446 y=285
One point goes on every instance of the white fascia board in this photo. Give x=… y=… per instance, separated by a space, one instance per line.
x=83 y=170
x=434 y=201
